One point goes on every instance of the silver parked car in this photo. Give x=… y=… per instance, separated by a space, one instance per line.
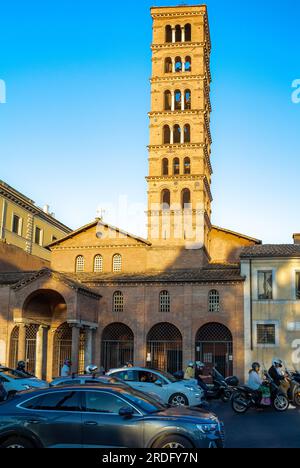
x=163 y=384
x=15 y=381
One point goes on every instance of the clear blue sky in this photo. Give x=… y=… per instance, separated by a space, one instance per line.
x=74 y=130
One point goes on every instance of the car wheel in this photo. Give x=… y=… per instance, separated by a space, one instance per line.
x=239 y=403
x=17 y=443
x=173 y=442
x=178 y=399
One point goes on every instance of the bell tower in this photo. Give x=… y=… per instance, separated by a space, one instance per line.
x=179 y=195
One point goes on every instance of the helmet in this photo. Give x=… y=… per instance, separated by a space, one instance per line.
x=256 y=365
x=191 y=364
x=200 y=364
x=277 y=362
x=22 y=364
x=91 y=369
x=68 y=362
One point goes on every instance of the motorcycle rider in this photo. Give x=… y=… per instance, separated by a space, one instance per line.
x=91 y=370
x=21 y=367
x=199 y=373
x=255 y=382
x=190 y=371
x=278 y=376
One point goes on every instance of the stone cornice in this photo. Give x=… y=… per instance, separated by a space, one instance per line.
x=207 y=127
x=178 y=45
x=176 y=177
x=100 y=247
x=179 y=14
x=179 y=145
x=207 y=186
x=178 y=112
x=169 y=77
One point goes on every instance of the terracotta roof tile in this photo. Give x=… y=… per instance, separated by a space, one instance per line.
x=272 y=250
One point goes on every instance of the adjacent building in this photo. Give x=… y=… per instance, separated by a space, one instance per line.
x=272 y=304
x=27 y=226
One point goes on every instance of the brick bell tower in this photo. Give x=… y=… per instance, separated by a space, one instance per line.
x=179 y=196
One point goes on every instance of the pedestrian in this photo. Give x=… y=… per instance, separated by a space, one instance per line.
x=66 y=369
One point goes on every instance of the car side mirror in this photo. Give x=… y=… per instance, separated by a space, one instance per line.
x=159 y=383
x=126 y=412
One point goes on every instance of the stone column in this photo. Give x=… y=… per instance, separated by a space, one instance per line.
x=40 y=349
x=173 y=35
x=22 y=342
x=173 y=65
x=75 y=347
x=173 y=101
x=183 y=100
x=182 y=135
x=172 y=135
x=183 y=34
x=88 y=349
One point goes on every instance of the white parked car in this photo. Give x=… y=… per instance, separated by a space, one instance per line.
x=15 y=381
x=170 y=390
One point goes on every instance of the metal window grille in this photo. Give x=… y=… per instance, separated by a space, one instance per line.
x=214 y=347
x=62 y=348
x=98 y=264
x=80 y=264
x=117 y=263
x=214 y=302
x=266 y=334
x=13 y=350
x=118 y=302
x=165 y=302
x=164 y=348
x=81 y=360
x=30 y=349
x=298 y=285
x=117 y=346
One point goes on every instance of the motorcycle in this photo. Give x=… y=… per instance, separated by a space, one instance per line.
x=245 y=398
x=222 y=388
x=294 y=391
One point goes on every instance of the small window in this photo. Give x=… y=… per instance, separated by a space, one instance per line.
x=56 y=401
x=187 y=166
x=214 y=302
x=165 y=167
x=298 y=285
x=266 y=334
x=117 y=263
x=80 y=264
x=165 y=302
x=265 y=285
x=118 y=302
x=38 y=238
x=98 y=264
x=17 y=225
x=176 y=166
x=100 y=402
x=54 y=238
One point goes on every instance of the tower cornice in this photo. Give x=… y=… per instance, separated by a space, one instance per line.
x=178 y=113
x=179 y=45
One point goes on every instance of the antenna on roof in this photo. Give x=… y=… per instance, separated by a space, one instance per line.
x=100 y=213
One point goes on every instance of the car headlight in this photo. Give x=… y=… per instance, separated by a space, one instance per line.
x=191 y=389
x=207 y=428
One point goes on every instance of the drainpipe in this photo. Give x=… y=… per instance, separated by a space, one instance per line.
x=251 y=305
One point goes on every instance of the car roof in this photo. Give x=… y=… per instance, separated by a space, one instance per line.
x=143 y=369
x=41 y=391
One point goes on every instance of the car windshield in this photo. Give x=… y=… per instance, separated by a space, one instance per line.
x=145 y=402
x=12 y=374
x=168 y=376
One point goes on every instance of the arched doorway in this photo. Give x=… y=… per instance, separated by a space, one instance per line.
x=62 y=348
x=117 y=346
x=13 y=348
x=214 y=347
x=164 y=348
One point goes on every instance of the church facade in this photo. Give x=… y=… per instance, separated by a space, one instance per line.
x=112 y=297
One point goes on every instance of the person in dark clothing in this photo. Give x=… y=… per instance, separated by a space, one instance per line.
x=199 y=373
x=278 y=376
x=21 y=367
x=3 y=392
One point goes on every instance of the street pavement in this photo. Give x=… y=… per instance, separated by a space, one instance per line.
x=255 y=429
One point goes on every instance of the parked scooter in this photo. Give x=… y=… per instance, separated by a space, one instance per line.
x=245 y=398
x=222 y=388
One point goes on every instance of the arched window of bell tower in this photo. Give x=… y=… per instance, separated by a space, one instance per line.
x=178 y=33
x=165 y=167
x=185 y=198
x=168 y=65
x=178 y=65
x=176 y=166
x=168 y=33
x=188 y=32
x=187 y=166
x=177 y=134
x=168 y=100
x=187 y=133
x=188 y=64
x=187 y=99
x=166 y=199
x=177 y=99
x=166 y=135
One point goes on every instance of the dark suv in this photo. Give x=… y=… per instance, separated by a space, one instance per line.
x=108 y=417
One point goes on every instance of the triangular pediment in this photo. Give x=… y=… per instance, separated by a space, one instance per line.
x=98 y=234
